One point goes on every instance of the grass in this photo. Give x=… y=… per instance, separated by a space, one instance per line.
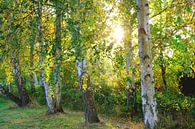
x=12 y=117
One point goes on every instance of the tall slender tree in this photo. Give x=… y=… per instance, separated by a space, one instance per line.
x=18 y=79
x=85 y=84
x=147 y=80
x=12 y=38
x=129 y=22
x=130 y=78
x=31 y=58
x=57 y=59
x=84 y=80
x=44 y=82
x=86 y=90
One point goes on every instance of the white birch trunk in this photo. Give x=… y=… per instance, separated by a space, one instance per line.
x=57 y=60
x=48 y=95
x=36 y=82
x=147 y=80
x=83 y=76
x=87 y=93
x=18 y=79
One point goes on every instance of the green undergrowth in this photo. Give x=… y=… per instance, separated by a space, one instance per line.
x=12 y=117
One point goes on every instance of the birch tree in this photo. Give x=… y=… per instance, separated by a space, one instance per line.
x=84 y=79
x=31 y=58
x=17 y=77
x=13 y=39
x=147 y=80
x=57 y=59
x=15 y=61
x=86 y=90
x=48 y=94
x=128 y=16
x=130 y=77
x=85 y=84
x=130 y=68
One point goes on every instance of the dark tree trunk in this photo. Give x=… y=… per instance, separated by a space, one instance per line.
x=83 y=74
x=87 y=93
x=90 y=110
x=89 y=107
x=32 y=80
x=130 y=70
x=21 y=90
x=32 y=42
x=10 y=96
x=131 y=92
x=163 y=70
x=163 y=74
x=57 y=60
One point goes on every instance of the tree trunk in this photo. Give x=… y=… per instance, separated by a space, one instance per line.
x=147 y=80
x=36 y=79
x=10 y=96
x=130 y=80
x=45 y=84
x=130 y=70
x=32 y=80
x=87 y=93
x=16 y=72
x=163 y=70
x=83 y=75
x=57 y=61
x=10 y=88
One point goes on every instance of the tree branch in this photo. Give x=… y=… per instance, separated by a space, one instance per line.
x=10 y=96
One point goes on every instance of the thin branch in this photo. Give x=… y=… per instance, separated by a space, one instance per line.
x=160 y=12
x=163 y=10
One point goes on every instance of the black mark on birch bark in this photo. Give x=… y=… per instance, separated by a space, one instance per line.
x=147 y=76
x=146 y=4
x=142 y=31
x=151 y=110
x=146 y=57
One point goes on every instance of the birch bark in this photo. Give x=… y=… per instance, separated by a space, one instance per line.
x=87 y=93
x=48 y=94
x=17 y=77
x=147 y=80
x=57 y=60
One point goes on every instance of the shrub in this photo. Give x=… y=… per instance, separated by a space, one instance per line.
x=173 y=102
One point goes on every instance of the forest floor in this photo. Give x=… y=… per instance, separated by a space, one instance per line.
x=35 y=117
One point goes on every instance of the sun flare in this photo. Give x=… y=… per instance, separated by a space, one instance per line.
x=118 y=34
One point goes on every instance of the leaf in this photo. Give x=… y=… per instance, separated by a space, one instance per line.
x=188 y=9
x=179 y=19
x=178 y=36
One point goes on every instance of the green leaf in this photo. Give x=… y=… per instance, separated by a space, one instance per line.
x=188 y=9
x=178 y=36
x=179 y=19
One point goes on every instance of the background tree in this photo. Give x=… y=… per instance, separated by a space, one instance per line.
x=81 y=62
x=57 y=59
x=44 y=80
